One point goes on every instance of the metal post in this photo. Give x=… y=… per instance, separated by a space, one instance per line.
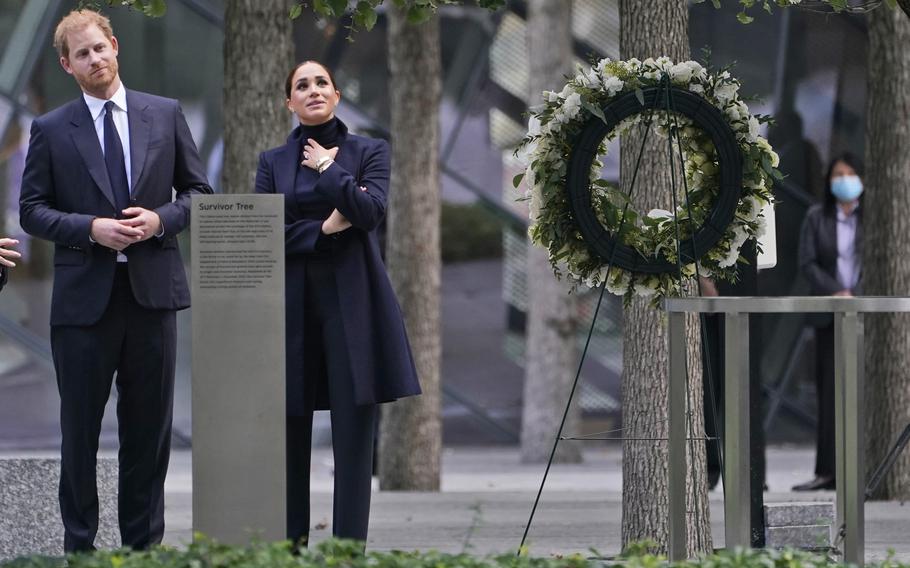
x=737 y=502
x=676 y=468
x=850 y=447
x=839 y=455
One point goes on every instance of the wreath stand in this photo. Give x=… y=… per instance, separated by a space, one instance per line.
x=673 y=100
x=740 y=501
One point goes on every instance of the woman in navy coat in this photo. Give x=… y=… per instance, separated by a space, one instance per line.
x=830 y=257
x=347 y=349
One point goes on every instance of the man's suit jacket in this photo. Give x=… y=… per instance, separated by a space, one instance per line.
x=818 y=250
x=65 y=186
x=2 y=277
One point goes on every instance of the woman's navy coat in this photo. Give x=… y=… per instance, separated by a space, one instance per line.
x=377 y=345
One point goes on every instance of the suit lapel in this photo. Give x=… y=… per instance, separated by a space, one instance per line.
x=140 y=122
x=86 y=140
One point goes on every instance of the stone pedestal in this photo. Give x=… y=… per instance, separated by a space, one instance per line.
x=30 y=511
x=806 y=525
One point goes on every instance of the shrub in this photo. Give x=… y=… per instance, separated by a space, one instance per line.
x=205 y=553
x=469 y=232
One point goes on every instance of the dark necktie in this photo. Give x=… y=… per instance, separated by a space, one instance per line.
x=113 y=158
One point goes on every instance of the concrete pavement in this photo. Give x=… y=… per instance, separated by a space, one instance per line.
x=487 y=495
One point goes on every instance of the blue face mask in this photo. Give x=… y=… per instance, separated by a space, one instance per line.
x=846 y=188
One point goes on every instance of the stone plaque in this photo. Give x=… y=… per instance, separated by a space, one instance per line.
x=238 y=379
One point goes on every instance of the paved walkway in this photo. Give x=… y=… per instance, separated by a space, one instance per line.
x=487 y=495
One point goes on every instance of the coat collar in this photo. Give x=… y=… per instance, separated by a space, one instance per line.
x=86 y=140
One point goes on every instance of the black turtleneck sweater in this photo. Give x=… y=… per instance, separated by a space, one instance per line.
x=329 y=135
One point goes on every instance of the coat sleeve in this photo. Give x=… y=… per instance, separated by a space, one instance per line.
x=189 y=178
x=38 y=213
x=300 y=237
x=363 y=208
x=820 y=281
x=2 y=277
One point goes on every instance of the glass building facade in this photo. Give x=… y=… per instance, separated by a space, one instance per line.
x=805 y=68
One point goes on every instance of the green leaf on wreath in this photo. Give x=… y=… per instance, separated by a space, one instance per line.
x=516 y=181
x=296 y=11
x=744 y=18
x=595 y=110
x=640 y=95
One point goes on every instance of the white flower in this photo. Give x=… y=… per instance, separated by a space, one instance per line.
x=753 y=129
x=645 y=289
x=618 y=282
x=533 y=126
x=571 y=106
x=662 y=214
x=566 y=91
x=550 y=96
x=592 y=79
x=726 y=92
x=535 y=204
x=739 y=237
x=766 y=148
x=664 y=63
x=682 y=72
x=755 y=204
x=696 y=88
x=612 y=85
x=738 y=111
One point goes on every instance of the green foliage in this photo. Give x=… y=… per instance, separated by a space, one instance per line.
x=835 y=5
x=150 y=8
x=204 y=553
x=469 y=232
x=364 y=12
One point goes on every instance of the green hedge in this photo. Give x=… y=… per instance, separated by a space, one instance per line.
x=345 y=554
x=469 y=232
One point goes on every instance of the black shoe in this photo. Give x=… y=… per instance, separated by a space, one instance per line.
x=821 y=483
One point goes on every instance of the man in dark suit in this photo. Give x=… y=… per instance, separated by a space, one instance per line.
x=98 y=183
x=5 y=255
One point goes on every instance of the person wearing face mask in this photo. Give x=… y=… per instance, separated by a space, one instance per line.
x=830 y=257
x=347 y=349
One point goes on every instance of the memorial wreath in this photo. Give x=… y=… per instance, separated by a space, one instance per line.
x=588 y=226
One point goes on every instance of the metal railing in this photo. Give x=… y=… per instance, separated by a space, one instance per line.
x=849 y=411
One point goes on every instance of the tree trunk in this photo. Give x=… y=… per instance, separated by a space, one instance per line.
x=651 y=28
x=551 y=354
x=255 y=115
x=411 y=433
x=886 y=266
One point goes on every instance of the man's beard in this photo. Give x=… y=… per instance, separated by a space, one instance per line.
x=101 y=81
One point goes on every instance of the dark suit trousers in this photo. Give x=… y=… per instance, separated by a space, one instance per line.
x=140 y=345
x=824 y=387
x=352 y=425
